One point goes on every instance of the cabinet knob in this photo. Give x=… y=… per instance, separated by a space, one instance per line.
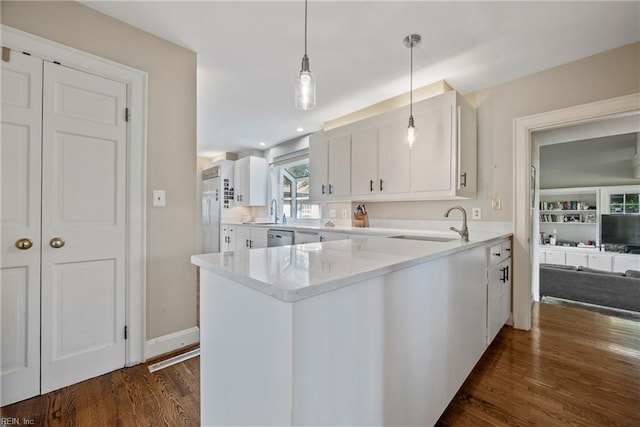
x=57 y=242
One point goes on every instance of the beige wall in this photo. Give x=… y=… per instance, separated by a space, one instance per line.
x=606 y=75
x=171 y=142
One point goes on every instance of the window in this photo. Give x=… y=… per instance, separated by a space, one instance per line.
x=623 y=203
x=294 y=195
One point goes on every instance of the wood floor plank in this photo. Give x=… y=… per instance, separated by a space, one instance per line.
x=575 y=368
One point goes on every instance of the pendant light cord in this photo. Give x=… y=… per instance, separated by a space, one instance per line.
x=410 y=84
x=305 y=27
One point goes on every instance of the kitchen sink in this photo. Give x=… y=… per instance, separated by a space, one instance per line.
x=426 y=238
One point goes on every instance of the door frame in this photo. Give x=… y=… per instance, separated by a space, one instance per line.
x=136 y=81
x=523 y=128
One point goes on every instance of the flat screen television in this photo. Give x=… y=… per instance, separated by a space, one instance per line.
x=621 y=229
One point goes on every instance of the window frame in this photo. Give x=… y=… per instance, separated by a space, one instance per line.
x=279 y=173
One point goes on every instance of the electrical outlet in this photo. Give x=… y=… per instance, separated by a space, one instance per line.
x=476 y=213
x=345 y=214
x=332 y=213
x=159 y=199
x=496 y=202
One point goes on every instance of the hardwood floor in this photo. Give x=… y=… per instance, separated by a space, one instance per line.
x=127 y=397
x=575 y=368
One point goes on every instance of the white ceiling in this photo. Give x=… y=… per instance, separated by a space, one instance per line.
x=249 y=53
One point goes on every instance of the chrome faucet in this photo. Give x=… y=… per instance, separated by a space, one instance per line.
x=274 y=210
x=464 y=233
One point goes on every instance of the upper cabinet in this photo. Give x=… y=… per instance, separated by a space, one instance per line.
x=250 y=180
x=329 y=167
x=381 y=165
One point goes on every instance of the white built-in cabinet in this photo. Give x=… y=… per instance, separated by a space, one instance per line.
x=591 y=258
x=228 y=238
x=329 y=165
x=498 y=287
x=381 y=165
x=250 y=181
x=250 y=237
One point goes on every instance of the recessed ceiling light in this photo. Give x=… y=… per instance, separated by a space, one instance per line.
x=300 y=129
x=263 y=144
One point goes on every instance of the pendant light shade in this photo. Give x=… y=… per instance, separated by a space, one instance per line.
x=306 y=82
x=410 y=41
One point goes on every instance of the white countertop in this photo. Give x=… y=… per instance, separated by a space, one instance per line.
x=292 y=273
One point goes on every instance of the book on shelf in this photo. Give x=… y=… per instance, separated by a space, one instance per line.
x=567 y=205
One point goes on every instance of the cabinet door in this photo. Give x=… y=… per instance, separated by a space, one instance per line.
x=494 y=304
x=364 y=162
x=318 y=169
x=340 y=166
x=622 y=263
x=302 y=237
x=555 y=257
x=243 y=238
x=256 y=181
x=576 y=259
x=505 y=302
x=432 y=153
x=601 y=262
x=326 y=236
x=240 y=171
x=394 y=159
x=467 y=150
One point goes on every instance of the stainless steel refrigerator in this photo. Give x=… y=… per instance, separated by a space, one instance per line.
x=217 y=195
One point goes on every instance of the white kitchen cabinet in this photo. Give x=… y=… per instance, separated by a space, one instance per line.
x=443 y=157
x=601 y=261
x=250 y=181
x=329 y=167
x=498 y=287
x=228 y=238
x=303 y=236
x=364 y=162
x=623 y=262
x=250 y=237
x=327 y=236
x=394 y=166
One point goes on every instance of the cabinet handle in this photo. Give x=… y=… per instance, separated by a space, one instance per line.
x=507 y=268
x=322 y=188
x=246 y=243
x=250 y=244
x=504 y=274
x=380 y=184
x=330 y=189
x=321 y=239
x=497 y=254
x=463 y=177
x=371 y=185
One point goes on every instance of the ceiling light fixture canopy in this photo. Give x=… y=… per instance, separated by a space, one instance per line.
x=306 y=83
x=411 y=41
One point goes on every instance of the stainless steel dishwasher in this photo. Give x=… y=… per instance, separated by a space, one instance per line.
x=279 y=237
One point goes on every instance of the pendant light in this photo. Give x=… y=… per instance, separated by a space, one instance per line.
x=306 y=83
x=410 y=41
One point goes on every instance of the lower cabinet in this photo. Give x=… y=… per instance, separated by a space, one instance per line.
x=250 y=237
x=498 y=288
x=228 y=238
x=301 y=237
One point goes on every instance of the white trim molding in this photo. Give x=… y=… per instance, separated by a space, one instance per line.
x=136 y=82
x=522 y=130
x=171 y=342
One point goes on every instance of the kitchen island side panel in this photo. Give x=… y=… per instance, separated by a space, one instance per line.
x=392 y=350
x=246 y=354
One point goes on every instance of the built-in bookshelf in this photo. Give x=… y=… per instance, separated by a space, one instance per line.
x=572 y=212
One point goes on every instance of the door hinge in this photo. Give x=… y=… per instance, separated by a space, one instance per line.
x=126 y=114
x=6 y=54
x=125 y=332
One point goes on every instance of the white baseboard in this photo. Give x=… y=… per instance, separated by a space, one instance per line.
x=171 y=342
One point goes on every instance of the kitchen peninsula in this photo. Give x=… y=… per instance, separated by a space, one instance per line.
x=364 y=331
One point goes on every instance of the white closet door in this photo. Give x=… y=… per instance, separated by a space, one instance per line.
x=20 y=217
x=83 y=205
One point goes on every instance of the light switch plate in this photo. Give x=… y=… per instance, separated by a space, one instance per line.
x=159 y=198
x=332 y=213
x=345 y=215
x=476 y=213
x=496 y=202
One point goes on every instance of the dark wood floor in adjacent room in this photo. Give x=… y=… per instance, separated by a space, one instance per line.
x=576 y=368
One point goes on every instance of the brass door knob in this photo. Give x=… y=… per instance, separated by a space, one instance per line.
x=24 y=244
x=57 y=242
